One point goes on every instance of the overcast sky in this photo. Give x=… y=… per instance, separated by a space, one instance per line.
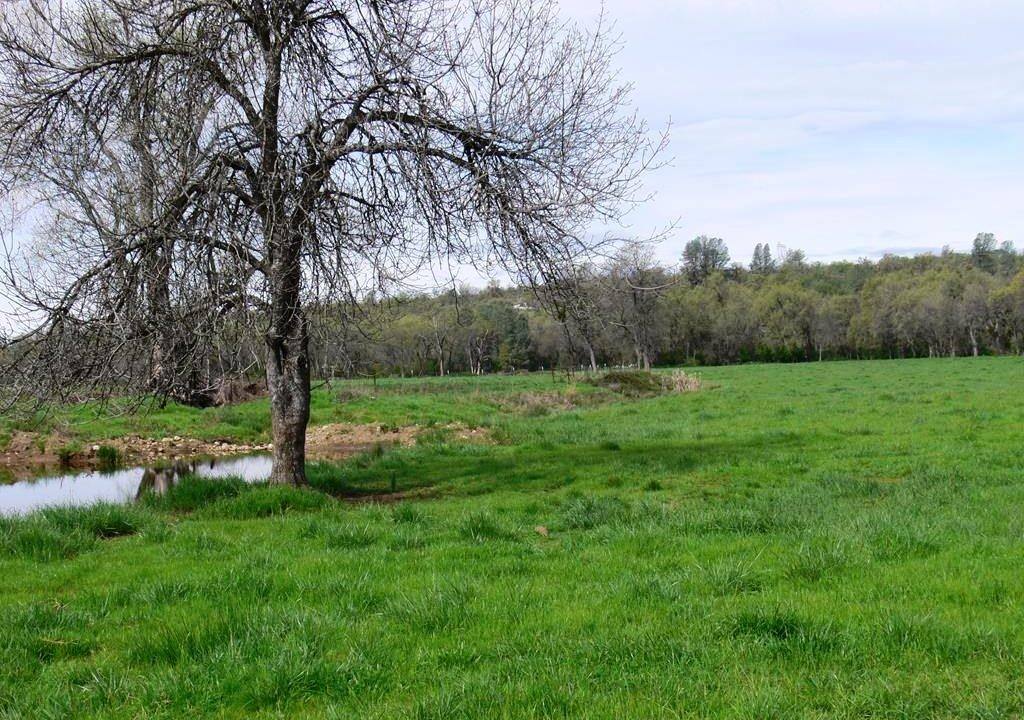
x=846 y=128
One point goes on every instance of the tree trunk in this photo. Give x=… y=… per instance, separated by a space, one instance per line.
x=288 y=382
x=288 y=368
x=593 y=358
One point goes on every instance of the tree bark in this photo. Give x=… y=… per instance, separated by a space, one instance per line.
x=288 y=362
x=289 y=385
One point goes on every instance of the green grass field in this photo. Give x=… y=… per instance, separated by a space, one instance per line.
x=837 y=540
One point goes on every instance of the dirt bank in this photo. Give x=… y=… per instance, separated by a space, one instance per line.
x=29 y=453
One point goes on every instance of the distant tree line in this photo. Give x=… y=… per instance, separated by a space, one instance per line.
x=636 y=311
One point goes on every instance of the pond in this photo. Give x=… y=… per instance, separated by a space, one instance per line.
x=122 y=485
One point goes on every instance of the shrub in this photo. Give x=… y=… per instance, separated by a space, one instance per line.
x=632 y=383
x=680 y=382
x=629 y=382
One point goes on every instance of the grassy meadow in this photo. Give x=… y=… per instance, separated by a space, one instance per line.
x=834 y=540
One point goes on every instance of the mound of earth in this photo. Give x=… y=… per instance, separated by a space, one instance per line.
x=331 y=442
x=637 y=383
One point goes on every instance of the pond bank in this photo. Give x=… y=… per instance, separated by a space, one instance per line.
x=30 y=455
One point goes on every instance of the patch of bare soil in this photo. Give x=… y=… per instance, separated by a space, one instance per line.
x=332 y=442
x=26 y=450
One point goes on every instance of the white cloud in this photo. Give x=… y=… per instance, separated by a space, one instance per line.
x=844 y=127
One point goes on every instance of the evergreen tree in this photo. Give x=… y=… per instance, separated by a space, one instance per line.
x=762 y=263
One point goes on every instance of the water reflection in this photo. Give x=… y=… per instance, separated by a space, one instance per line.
x=123 y=485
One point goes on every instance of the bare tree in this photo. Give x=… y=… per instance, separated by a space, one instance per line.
x=636 y=284
x=342 y=143
x=574 y=302
x=116 y=215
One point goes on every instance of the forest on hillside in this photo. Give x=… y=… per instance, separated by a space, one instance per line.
x=635 y=311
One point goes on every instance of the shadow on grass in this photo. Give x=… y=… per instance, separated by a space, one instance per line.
x=477 y=469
